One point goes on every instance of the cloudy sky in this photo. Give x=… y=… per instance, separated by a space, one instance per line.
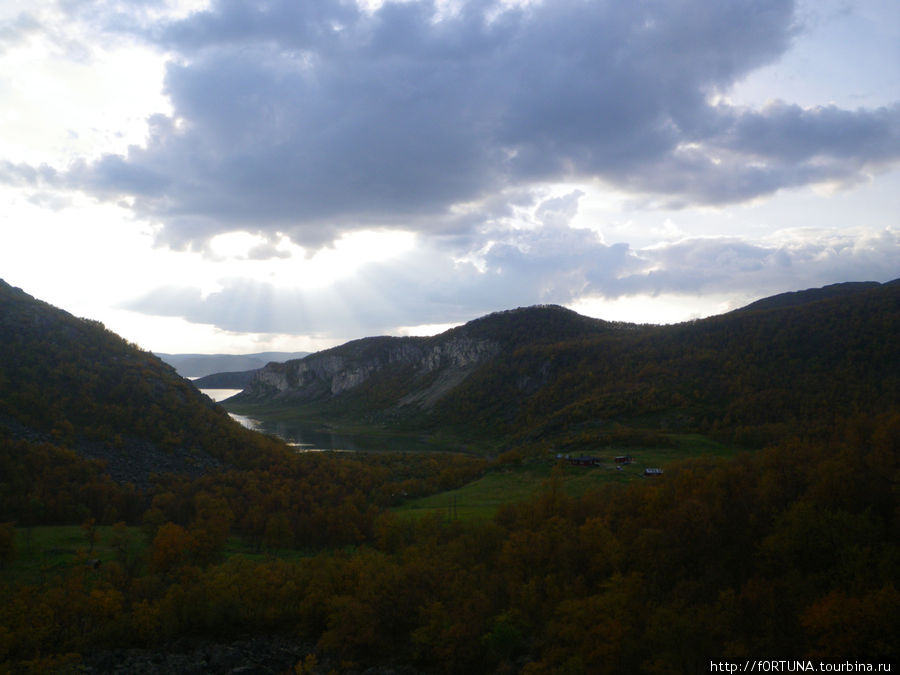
x=234 y=176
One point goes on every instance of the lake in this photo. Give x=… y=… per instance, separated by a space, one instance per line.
x=221 y=394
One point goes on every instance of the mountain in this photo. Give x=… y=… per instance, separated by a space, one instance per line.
x=200 y=365
x=796 y=298
x=542 y=372
x=416 y=371
x=71 y=383
x=237 y=380
x=291 y=560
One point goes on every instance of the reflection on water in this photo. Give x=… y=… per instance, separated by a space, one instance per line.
x=304 y=437
x=247 y=422
x=315 y=438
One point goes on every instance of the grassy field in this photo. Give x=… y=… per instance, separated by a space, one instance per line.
x=45 y=551
x=482 y=499
x=512 y=483
x=48 y=550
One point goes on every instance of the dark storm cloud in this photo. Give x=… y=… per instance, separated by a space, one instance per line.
x=113 y=176
x=790 y=133
x=236 y=22
x=316 y=118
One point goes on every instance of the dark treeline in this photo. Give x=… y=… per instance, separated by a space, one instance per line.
x=296 y=501
x=790 y=551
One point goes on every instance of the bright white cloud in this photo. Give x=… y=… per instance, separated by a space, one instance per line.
x=64 y=95
x=664 y=308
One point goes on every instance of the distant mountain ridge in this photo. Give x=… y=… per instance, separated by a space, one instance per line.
x=538 y=370
x=200 y=365
x=237 y=380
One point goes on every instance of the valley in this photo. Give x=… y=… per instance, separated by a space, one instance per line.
x=482 y=522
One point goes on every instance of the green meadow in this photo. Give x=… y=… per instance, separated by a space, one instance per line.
x=47 y=551
x=512 y=483
x=41 y=552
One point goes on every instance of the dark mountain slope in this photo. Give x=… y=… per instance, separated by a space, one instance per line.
x=811 y=362
x=795 y=298
x=531 y=325
x=72 y=382
x=544 y=371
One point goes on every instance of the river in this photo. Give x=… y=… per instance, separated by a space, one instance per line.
x=316 y=438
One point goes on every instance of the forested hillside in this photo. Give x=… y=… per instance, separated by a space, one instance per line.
x=71 y=382
x=751 y=376
x=789 y=551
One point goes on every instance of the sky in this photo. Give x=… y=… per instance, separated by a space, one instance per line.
x=222 y=176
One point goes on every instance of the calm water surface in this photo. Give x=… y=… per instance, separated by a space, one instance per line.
x=315 y=438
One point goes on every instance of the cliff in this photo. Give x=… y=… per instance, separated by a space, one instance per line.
x=414 y=372
x=431 y=367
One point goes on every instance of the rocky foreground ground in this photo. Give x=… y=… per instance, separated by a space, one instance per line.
x=274 y=655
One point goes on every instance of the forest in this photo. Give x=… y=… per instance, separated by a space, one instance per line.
x=789 y=548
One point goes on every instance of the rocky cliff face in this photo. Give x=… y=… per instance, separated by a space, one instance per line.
x=395 y=373
x=429 y=368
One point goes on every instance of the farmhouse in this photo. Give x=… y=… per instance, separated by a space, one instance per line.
x=584 y=461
